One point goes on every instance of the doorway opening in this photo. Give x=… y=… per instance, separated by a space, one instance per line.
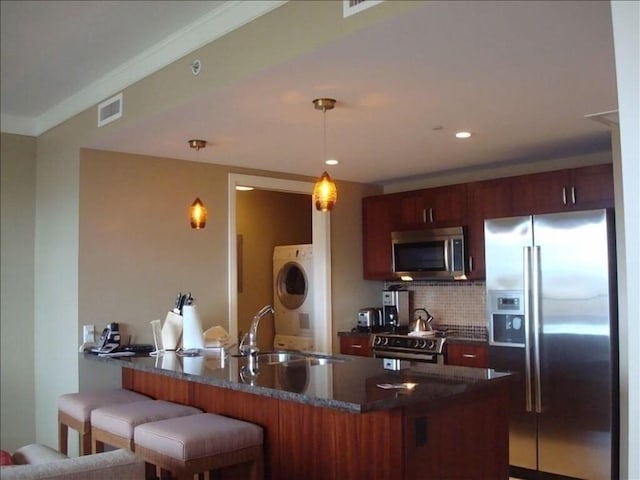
x=321 y=258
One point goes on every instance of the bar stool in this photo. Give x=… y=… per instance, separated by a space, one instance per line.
x=74 y=411
x=198 y=443
x=114 y=424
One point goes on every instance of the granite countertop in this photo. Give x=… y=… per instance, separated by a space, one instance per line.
x=348 y=383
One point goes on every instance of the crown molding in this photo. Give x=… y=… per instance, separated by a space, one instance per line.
x=230 y=16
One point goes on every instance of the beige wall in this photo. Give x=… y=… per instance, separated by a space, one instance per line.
x=137 y=250
x=265 y=219
x=17 y=404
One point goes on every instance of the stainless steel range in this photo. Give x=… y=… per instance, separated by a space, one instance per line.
x=428 y=349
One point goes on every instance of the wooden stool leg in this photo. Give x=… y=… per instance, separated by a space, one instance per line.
x=150 y=471
x=98 y=446
x=63 y=437
x=85 y=443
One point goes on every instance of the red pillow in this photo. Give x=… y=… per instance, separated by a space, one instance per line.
x=5 y=458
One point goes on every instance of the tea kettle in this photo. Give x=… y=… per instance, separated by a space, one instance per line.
x=420 y=324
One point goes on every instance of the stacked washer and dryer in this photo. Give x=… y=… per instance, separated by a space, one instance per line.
x=293 y=297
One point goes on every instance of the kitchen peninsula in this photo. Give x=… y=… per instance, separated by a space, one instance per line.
x=345 y=417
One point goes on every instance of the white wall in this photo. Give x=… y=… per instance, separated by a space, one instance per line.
x=626 y=28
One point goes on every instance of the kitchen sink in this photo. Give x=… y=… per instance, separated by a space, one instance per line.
x=270 y=358
x=323 y=360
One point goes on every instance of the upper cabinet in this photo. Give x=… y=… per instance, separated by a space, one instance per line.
x=376 y=237
x=433 y=207
x=564 y=190
x=487 y=199
x=471 y=204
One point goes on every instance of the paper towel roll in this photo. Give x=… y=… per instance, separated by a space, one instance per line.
x=191 y=328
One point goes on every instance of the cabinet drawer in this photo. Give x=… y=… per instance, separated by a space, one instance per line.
x=467 y=354
x=356 y=345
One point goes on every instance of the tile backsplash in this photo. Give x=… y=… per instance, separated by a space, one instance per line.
x=458 y=306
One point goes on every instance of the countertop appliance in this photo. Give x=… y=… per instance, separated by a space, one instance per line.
x=435 y=253
x=418 y=348
x=395 y=309
x=551 y=301
x=369 y=319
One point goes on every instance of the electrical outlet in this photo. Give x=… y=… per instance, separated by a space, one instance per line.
x=89 y=333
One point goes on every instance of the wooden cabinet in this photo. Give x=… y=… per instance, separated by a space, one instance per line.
x=471 y=204
x=356 y=344
x=487 y=199
x=468 y=354
x=435 y=447
x=433 y=207
x=376 y=238
x=564 y=190
x=382 y=214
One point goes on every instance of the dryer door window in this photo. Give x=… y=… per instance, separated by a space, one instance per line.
x=292 y=285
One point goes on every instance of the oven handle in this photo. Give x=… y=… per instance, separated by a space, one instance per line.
x=417 y=357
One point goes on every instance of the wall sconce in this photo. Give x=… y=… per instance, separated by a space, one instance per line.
x=325 y=193
x=198 y=212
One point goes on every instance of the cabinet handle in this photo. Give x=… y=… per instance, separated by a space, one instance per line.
x=564 y=195
x=573 y=195
x=469 y=355
x=430 y=215
x=470 y=263
x=356 y=346
x=424 y=215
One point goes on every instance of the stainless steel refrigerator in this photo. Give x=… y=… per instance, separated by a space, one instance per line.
x=551 y=304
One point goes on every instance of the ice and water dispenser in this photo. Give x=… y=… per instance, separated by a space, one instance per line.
x=506 y=317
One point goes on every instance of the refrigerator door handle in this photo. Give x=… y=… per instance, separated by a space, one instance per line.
x=526 y=269
x=535 y=295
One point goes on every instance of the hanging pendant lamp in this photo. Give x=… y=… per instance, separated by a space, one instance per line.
x=197 y=211
x=325 y=193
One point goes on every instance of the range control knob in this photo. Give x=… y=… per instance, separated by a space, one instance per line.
x=423 y=343
x=431 y=344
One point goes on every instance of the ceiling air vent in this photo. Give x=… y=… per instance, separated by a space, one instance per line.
x=351 y=7
x=110 y=110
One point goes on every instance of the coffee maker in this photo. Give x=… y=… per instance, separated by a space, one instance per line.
x=395 y=309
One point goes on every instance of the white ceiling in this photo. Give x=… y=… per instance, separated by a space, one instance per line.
x=521 y=76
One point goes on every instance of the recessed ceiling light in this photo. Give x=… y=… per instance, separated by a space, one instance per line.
x=331 y=161
x=242 y=188
x=463 y=134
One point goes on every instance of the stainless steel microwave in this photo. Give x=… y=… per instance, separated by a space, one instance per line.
x=437 y=253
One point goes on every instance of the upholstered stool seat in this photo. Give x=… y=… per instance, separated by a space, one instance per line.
x=115 y=424
x=74 y=411
x=199 y=443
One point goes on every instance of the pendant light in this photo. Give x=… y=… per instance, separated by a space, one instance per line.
x=325 y=192
x=198 y=212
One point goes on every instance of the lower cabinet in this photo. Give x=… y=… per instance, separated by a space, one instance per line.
x=468 y=354
x=356 y=344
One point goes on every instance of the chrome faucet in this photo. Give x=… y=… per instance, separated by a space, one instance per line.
x=248 y=344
